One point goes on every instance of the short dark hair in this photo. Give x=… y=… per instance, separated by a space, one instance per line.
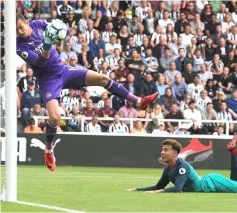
x=175 y=144
x=20 y=17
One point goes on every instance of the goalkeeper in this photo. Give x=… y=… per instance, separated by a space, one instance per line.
x=34 y=45
x=185 y=178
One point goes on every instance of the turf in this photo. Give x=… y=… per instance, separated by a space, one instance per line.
x=103 y=190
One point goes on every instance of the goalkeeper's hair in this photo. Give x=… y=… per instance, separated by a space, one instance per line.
x=20 y=17
x=175 y=144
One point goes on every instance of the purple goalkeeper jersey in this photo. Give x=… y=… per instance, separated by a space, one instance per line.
x=29 y=49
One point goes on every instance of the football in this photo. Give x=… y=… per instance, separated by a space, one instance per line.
x=59 y=29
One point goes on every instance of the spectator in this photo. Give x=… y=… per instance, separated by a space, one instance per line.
x=209 y=50
x=127 y=50
x=232 y=38
x=186 y=35
x=31 y=128
x=210 y=88
x=218 y=100
x=128 y=111
x=104 y=69
x=99 y=21
x=63 y=9
x=108 y=33
x=138 y=128
x=84 y=20
x=166 y=60
x=210 y=26
x=221 y=14
x=29 y=98
x=204 y=74
x=181 y=23
x=117 y=126
x=95 y=44
x=209 y=114
x=190 y=11
x=206 y=13
x=89 y=110
x=227 y=24
x=150 y=61
x=37 y=110
x=195 y=88
x=182 y=61
x=231 y=61
x=122 y=72
x=224 y=82
x=174 y=11
x=148 y=85
x=216 y=36
x=216 y=66
x=224 y=115
x=77 y=45
x=174 y=114
x=70 y=100
x=160 y=130
x=160 y=12
x=133 y=24
x=113 y=60
x=161 y=86
x=192 y=47
x=73 y=62
x=179 y=88
x=170 y=34
x=174 y=47
x=197 y=23
x=195 y=115
x=112 y=12
x=131 y=85
x=220 y=130
x=159 y=49
x=167 y=100
x=142 y=11
x=155 y=37
x=165 y=20
x=101 y=103
x=139 y=35
x=144 y=46
x=201 y=102
x=123 y=36
x=171 y=73
x=71 y=19
x=150 y=22
x=233 y=77
x=111 y=46
x=67 y=53
x=89 y=32
x=198 y=60
x=232 y=104
x=222 y=49
x=75 y=123
x=93 y=126
x=97 y=62
x=184 y=103
x=182 y=130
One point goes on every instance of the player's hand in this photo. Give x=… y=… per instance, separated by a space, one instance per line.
x=130 y=190
x=150 y=192
x=50 y=35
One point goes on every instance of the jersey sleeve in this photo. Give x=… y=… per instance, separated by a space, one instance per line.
x=161 y=184
x=181 y=178
x=31 y=57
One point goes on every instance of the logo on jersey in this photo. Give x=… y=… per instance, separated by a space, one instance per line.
x=41 y=32
x=48 y=95
x=31 y=43
x=182 y=171
x=24 y=55
x=39 y=49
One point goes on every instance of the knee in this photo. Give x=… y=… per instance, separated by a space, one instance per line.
x=25 y=110
x=103 y=81
x=54 y=118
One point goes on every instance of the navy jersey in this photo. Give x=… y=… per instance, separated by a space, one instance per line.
x=183 y=176
x=30 y=48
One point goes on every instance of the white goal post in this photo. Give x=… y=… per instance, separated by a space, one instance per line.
x=11 y=100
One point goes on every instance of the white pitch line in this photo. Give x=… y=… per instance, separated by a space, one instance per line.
x=48 y=207
x=92 y=176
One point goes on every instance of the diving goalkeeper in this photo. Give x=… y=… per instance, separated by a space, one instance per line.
x=185 y=178
x=34 y=45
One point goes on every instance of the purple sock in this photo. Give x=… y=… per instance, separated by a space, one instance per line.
x=119 y=90
x=50 y=133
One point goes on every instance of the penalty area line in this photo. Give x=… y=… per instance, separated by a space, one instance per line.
x=48 y=207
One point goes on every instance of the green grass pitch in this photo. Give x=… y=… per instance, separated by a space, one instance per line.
x=103 y=190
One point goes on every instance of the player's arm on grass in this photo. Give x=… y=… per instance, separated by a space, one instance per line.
x=181 y=178
x=162 y=183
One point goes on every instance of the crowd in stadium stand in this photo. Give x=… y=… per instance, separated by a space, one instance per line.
x=185 y=50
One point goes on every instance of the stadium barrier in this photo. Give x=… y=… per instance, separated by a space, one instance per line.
x=110 y=150
x=131 y=121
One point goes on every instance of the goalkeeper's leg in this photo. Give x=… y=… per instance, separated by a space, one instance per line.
x=75 y=79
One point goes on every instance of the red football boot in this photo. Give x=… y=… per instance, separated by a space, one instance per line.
x=148 y=99
x=232 y=146
x=50 y=160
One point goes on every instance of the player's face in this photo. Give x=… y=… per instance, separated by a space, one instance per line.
x=23 y=29
x=167 y=153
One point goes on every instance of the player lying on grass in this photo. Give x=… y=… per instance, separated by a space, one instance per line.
x=34 y=45
x=185 y=178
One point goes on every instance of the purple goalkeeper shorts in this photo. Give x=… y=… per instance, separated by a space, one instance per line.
x=70 y=78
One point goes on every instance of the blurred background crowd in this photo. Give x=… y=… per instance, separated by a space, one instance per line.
x=185 y=50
